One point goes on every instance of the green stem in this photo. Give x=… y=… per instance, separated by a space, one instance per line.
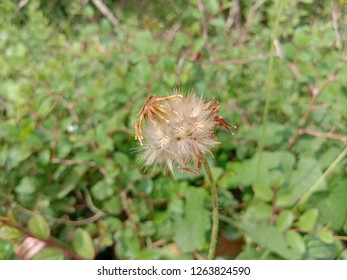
x=269 y=85
x=317 y=184
x=215 y=218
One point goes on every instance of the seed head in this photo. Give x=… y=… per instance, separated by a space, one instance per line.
x=179 y=130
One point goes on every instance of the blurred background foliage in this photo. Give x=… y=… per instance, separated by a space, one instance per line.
x=73 y=77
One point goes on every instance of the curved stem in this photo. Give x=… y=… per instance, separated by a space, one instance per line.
x=215 y=218
x=317 y=184
x=51 y=242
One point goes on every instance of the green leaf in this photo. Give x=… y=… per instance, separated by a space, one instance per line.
x=263 y=192
x=190 y=231
x=127 y=244
x=10 y=233
x=16 y=155
x=333 y=206
x=102 y=190
x=27 y=186
x=44 y=156
x=212 y=6
x=302 y=36
x=295 y=241
x=269 y=237
x=268 y=170
x=306 y=174
x=257 y=211
x=6 y=250
x=284 y=220
x=318 y=250
x=307 y=221
x=145 y=186
x=149 y=254
x=113 y=205
x=326 y=236
x=49 y=254
x=39 y=227
x=71 y=180
x=250 y=253
x=83 y=244
x=121 y=158
x=181 y=40
x=112 y=224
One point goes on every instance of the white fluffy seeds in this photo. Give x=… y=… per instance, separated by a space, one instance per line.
x=187 y=134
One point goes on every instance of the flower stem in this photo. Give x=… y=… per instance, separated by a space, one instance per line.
x=215 y=218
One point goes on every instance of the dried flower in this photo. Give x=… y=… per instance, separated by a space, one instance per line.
x=179 y=130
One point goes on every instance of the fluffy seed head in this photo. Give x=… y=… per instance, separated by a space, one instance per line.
x=182 y=132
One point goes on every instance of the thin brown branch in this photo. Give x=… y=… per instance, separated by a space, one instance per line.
x=171 y=33
x=158 y=243
x=101 y=236
x=315 y=91
x=278 y=48
x=180 y=64
x=69 y=106
x=328 y=135
x=21 y=5
x=106 y=12
x=204 y=20
x=237 y=61
x=126 y=208
x=197 y=256
x=234 y=17
x=335 y=19
x=70 y=162
x=249 y=20
x=49 y=242
x=293 y=68
x=87 y=221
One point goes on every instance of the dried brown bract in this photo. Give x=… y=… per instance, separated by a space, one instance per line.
x=154 y=111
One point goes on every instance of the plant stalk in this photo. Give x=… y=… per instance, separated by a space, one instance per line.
x=215 y=218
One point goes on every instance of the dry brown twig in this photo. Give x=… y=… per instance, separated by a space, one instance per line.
x=128 y=212
x=328 y=135
x=204 y=21
x=87 y=221
x=21 y=5
x=315 y=91
x=335 y=14
x=70 y=162
x=106 y=12
x=237 y=61
x=158 y=243
x=249 y=20
x=234 y=17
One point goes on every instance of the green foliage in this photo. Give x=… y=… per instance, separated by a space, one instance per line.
x=83 y=244
x=49 y=254
x=38 y=227
x=196 y=219
x=72 y=85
